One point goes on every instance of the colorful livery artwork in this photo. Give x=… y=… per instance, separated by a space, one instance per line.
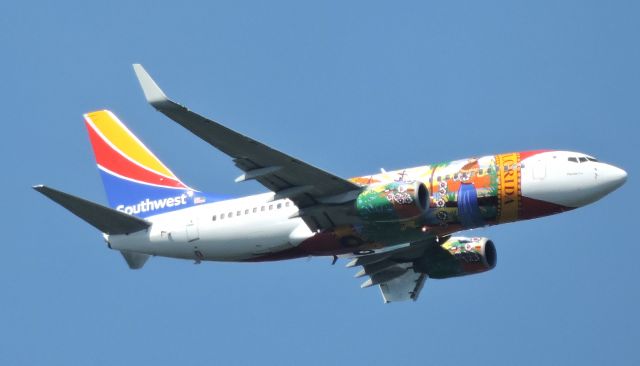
x=398 y=226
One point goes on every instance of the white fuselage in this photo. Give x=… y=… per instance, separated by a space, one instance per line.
x=254 y=226
x=230 y=230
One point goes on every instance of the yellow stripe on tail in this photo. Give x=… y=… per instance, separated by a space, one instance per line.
x=119 y=136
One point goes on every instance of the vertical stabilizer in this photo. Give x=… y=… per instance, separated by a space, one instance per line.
x=135 y=180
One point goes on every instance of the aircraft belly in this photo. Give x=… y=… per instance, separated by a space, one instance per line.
x=145 y=242
x=245 y=240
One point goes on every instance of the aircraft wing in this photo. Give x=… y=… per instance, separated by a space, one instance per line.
x=403 y=288
x=312 y=189
x=392 y=271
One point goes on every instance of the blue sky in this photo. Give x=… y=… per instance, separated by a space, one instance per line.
x=349 y=87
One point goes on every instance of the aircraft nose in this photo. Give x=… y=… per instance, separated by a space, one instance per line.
x=610 y=177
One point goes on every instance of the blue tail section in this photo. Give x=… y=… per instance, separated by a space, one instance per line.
x=135 y=180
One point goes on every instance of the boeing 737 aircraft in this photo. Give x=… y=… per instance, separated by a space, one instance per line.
x=399 y=225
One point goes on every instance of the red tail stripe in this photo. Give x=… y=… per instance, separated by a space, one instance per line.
x=107 y=157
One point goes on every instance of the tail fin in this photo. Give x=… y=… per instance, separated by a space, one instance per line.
x=135 y=180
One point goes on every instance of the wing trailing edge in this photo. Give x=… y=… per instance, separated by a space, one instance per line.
x=392 y=270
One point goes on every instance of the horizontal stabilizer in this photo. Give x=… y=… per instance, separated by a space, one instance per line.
x=105 y=219
x=134 y=260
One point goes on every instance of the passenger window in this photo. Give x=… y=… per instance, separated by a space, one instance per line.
x=246 y=212
x=279 y=205
x=270 y=207
x=213 y=218
x=262 y=208
x=230 y=215
x=238 y=213
x=221 y=216
x=255 y=209
x=287 y=203
x=480 y=171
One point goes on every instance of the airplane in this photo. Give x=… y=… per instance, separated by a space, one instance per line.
x=399 y=226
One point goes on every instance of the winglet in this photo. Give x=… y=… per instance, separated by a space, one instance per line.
x=152 y=92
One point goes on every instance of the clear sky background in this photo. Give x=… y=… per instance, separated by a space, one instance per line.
x=350 y=87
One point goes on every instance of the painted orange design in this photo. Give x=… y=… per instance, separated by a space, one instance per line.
x=509 y=194
x=364 y=181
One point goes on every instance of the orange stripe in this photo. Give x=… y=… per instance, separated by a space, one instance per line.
x=119 y=136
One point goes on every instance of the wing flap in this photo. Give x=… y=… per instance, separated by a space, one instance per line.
x=392 y=270
x=403 y=288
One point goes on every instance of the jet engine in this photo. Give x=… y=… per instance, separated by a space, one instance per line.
x=395 y=201
x=458 y=256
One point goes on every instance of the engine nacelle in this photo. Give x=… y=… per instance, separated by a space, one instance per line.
x=395 y=201
x=458 y=256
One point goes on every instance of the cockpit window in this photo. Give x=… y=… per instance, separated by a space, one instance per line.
x=582 y=159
